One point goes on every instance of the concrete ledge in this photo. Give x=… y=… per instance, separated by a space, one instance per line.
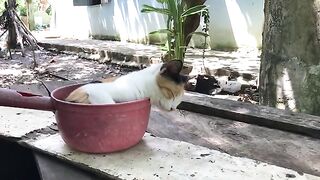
x=275 y=147
x=244 y=112
x=17 y=122
x=260 y=115
x=114 y=52
x=160 y=158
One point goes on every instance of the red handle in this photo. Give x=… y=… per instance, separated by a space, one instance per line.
x=14 y=98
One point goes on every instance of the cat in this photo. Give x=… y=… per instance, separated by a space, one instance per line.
x=162 y=83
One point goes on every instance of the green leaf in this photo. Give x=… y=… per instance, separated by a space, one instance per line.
x=148 y=9
x=193 y=10
x=172 y=7
x=162 y=1
x=198 y=33
x=167 y=31
x=164 y=48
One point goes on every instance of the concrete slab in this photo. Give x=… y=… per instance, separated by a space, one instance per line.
x=280 y=148
x=106 y=50
x=270 y=117
x=161 y=158
x=17 y=122
x=244 y=62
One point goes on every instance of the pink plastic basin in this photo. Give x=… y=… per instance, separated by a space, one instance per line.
x=88 y=128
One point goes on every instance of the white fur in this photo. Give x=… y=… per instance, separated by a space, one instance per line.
x=136 y=85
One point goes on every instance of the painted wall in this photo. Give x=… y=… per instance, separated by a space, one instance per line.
x=234 y=23
x=124 y=19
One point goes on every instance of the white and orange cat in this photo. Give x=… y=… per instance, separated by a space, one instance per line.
x=162 y=83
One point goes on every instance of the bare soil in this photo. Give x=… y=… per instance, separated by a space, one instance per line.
x=53 y=67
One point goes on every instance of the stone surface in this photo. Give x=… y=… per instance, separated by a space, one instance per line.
x=160 y=158
x=106 y=50
x=261 y=115
x=242 y=66
x=240 y=62
x=272 y=146
x=17 y=122
x=236 y=138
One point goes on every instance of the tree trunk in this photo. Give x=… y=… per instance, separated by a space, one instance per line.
x=12 y=35
x=192 y=22
x=290 y=61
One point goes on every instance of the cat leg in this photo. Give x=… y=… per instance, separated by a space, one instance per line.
x=78 y=96
x=100 y=98
x=81 y=96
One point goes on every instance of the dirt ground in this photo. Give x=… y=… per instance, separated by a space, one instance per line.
x=53 y=67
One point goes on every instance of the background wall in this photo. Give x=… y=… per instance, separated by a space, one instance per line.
x=234 y=23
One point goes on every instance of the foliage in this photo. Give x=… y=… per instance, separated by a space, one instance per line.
x=22 y=10
x=49 y=10
x=176 y=12
x=2 y=6
x=4 y=23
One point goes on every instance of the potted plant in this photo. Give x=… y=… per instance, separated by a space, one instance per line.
x=176 y=12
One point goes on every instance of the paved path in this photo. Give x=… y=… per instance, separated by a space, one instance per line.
x=242 y=62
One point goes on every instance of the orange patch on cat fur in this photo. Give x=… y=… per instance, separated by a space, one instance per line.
x=110 y=79
x=78 y=96
x=169 y=88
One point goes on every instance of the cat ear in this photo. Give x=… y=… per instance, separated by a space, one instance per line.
x=172 y=67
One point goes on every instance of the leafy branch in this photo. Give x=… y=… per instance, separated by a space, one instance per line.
x=176 y=12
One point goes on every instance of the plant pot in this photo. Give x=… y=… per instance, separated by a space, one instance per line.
x=205 y=84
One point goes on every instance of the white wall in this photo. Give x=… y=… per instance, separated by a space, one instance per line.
x=234 y=23
x=123 y=18
x=71 y=21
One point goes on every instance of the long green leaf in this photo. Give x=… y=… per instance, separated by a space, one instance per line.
x=193 y=10
x=149 y=9
x=162 y=1
x=172 y=7
x=167 y=31
x=198 y=33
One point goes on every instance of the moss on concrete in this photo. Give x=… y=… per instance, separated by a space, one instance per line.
x=225 y=47
x=106 y=37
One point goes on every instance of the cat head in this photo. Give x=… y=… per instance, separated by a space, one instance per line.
x=171 y=84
